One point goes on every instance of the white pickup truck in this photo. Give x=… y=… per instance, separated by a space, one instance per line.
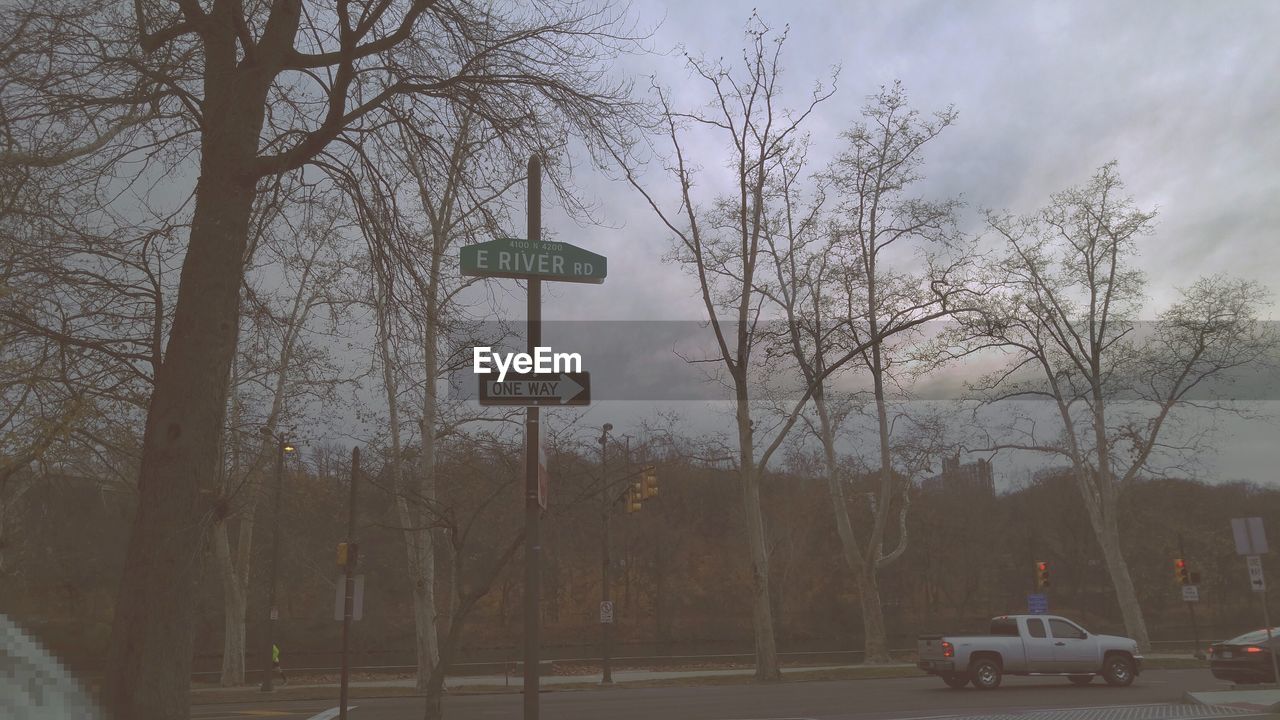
x=1029 y=645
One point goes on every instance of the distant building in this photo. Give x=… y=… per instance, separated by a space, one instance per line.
x=970 y=477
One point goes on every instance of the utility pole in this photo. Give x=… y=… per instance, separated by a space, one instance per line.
x=606 y=508
x=282 y=447
x=532 y=504
x=349 y=579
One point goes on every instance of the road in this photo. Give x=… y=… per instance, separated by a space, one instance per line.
x=1159 y=691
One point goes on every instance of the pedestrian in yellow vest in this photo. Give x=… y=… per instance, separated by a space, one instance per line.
x=275 y=663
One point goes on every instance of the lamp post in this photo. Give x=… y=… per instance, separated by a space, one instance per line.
x=282 y=448
x=606 y=677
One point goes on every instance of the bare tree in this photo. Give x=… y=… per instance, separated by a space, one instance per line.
x=441 y=190
x=277 y=366
x=846 y=304
x=461 y=513
x=82 y=312
x=876 y=217
x=256 y=90
x=1068 y=317
x=722 y=244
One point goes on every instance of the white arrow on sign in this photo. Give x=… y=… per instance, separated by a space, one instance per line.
x=567 y=389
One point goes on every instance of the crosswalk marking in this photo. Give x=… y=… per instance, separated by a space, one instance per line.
x=330 y=714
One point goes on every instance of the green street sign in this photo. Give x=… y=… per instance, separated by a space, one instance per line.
x=517 y=258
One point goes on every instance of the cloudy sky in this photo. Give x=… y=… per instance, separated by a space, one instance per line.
x=1182 y=94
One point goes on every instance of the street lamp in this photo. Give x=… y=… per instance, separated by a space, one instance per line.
x=606 y=620
x=282 y=448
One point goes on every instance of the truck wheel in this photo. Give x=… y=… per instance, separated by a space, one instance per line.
x=956 y=682
x=1081 y=679
x=1117 y=670
x=985 y=674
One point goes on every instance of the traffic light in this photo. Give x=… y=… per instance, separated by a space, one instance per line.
x=1042 y=575
x=649 y=483
x=635 y=494
x=347 y=553
x=1181 y=572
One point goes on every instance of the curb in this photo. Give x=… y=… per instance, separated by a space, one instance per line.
x=217 y=696
x=1191 y=698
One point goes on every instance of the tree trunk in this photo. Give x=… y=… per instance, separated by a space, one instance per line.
x=235 y=608
x=423 y=573
x=875 y=647
x=4 y=543
x=434 y=685
x=1103 y=517
x=424 y=617
x=149 y=662
x=761 y=602
x=863 y=572
x=9 y=499
x=410 y=499
x=876 y=650
x=1108 y=533
x=234 y=568
x=233 y=590
x=661 y=619
x=149 y=667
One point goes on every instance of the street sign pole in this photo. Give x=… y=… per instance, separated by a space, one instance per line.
x=1251 y=542
x=1259 y=585
x=1266 y=620
x=268 y=663
x=532 y=509
x=348 y=579
x=606 y=672
x=1191 y=608
x=533 y=261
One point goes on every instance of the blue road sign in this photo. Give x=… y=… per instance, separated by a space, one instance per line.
x=1038 y=604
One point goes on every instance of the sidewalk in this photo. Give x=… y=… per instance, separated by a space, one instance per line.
x=1266 y=700
x=515 y=683
x=634 y=676
x=622 y=677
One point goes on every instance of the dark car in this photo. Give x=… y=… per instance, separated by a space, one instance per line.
x=1245 y=659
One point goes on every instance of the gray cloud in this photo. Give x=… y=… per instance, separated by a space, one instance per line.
x=1182 y=94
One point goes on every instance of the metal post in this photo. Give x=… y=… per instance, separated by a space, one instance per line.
x=349 y=580
x=1191 y=608
x=606 y=507
x=275 y=566
x=1195 y=631
x=1266 y=621
x=532 y=512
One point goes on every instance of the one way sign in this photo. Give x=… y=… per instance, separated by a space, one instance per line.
x=557 y=389
x=1255 y=574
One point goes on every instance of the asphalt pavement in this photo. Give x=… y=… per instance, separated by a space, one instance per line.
x=1157 y=695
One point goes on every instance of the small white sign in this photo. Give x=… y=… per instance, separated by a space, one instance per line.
x=340 y=599
x=1191 y=593
x=1256 y=582
x=606 y=612
x=1250 y=537
x=275 y=614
